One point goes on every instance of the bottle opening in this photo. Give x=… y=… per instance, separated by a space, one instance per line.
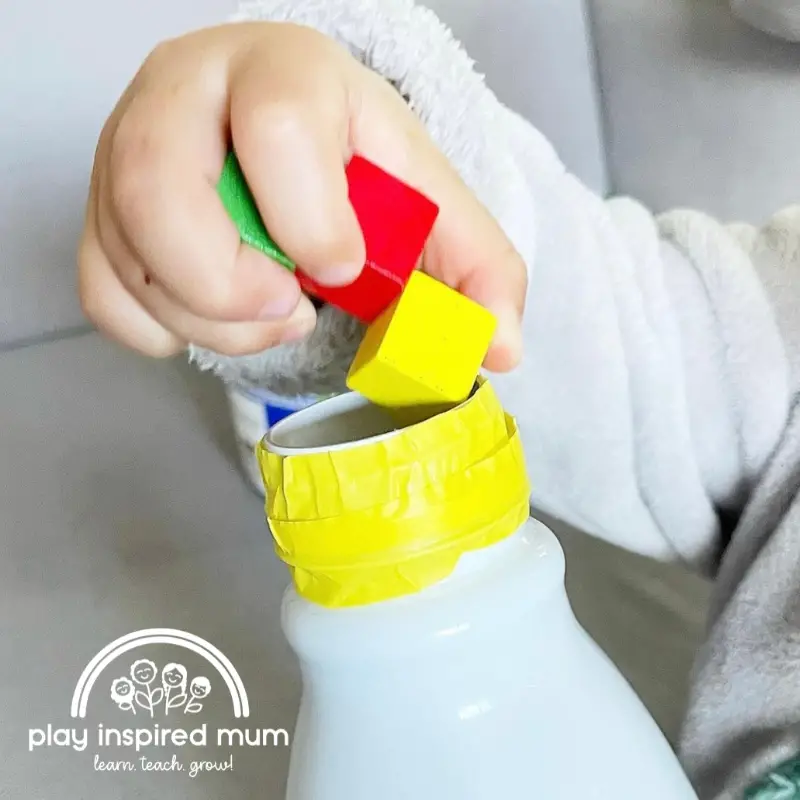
x=345 y=421
x=334 y=424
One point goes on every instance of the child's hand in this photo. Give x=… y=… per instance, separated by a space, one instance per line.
x=161 y=264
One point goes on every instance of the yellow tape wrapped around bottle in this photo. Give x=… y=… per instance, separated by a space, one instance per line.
x=392 y=516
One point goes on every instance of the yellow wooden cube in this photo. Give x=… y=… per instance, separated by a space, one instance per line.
x=425 y=350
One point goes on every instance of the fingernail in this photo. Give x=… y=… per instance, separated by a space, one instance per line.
x=296 y=332
x=507 y=345
x=301 y=323
x=278 y=307
x=339 y=274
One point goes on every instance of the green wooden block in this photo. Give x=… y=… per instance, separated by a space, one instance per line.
x=241 y=207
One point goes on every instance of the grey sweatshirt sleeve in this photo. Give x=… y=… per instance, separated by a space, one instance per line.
x=656 y=380
x=743 y=721
x=779 y=18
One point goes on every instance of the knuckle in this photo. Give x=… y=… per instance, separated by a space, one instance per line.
x=155 y=59
x=160 y=51
x=514 y=266
x=275 y=122
x=133 y=160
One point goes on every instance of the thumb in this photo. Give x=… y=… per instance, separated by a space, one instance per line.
x=470 y=252
x=467 y=249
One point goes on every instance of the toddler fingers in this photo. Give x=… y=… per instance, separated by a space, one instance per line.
x=468 y=249
x=164 y=161
x=503 y=293
x=243 y=338
x=290 y=123
x=113 y=310
x=227 y=338
x=145 y=285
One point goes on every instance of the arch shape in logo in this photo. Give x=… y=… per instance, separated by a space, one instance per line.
x=131 y=641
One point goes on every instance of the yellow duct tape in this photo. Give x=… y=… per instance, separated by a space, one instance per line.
x=392 y=516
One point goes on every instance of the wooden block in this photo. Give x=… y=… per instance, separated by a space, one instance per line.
x=395 y=221
x=425 y=351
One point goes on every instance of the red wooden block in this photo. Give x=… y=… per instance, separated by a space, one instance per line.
x=396 y=221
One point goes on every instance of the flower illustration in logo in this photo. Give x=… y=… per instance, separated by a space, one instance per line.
x=122 y=693
x=173 y=678
x=175 y=691
x=201 y=686
x=199 y=689
x=143 y=672
x=174 y=675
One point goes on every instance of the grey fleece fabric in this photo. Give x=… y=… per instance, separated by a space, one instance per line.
x=779 y=18
x=657 y=396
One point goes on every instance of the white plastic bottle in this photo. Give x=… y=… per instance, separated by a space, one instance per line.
x=440 y=657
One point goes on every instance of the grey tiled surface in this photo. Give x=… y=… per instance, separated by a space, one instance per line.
x=121 y=509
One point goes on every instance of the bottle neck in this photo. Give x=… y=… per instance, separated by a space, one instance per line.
x=493 y=592
x=364 y=511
